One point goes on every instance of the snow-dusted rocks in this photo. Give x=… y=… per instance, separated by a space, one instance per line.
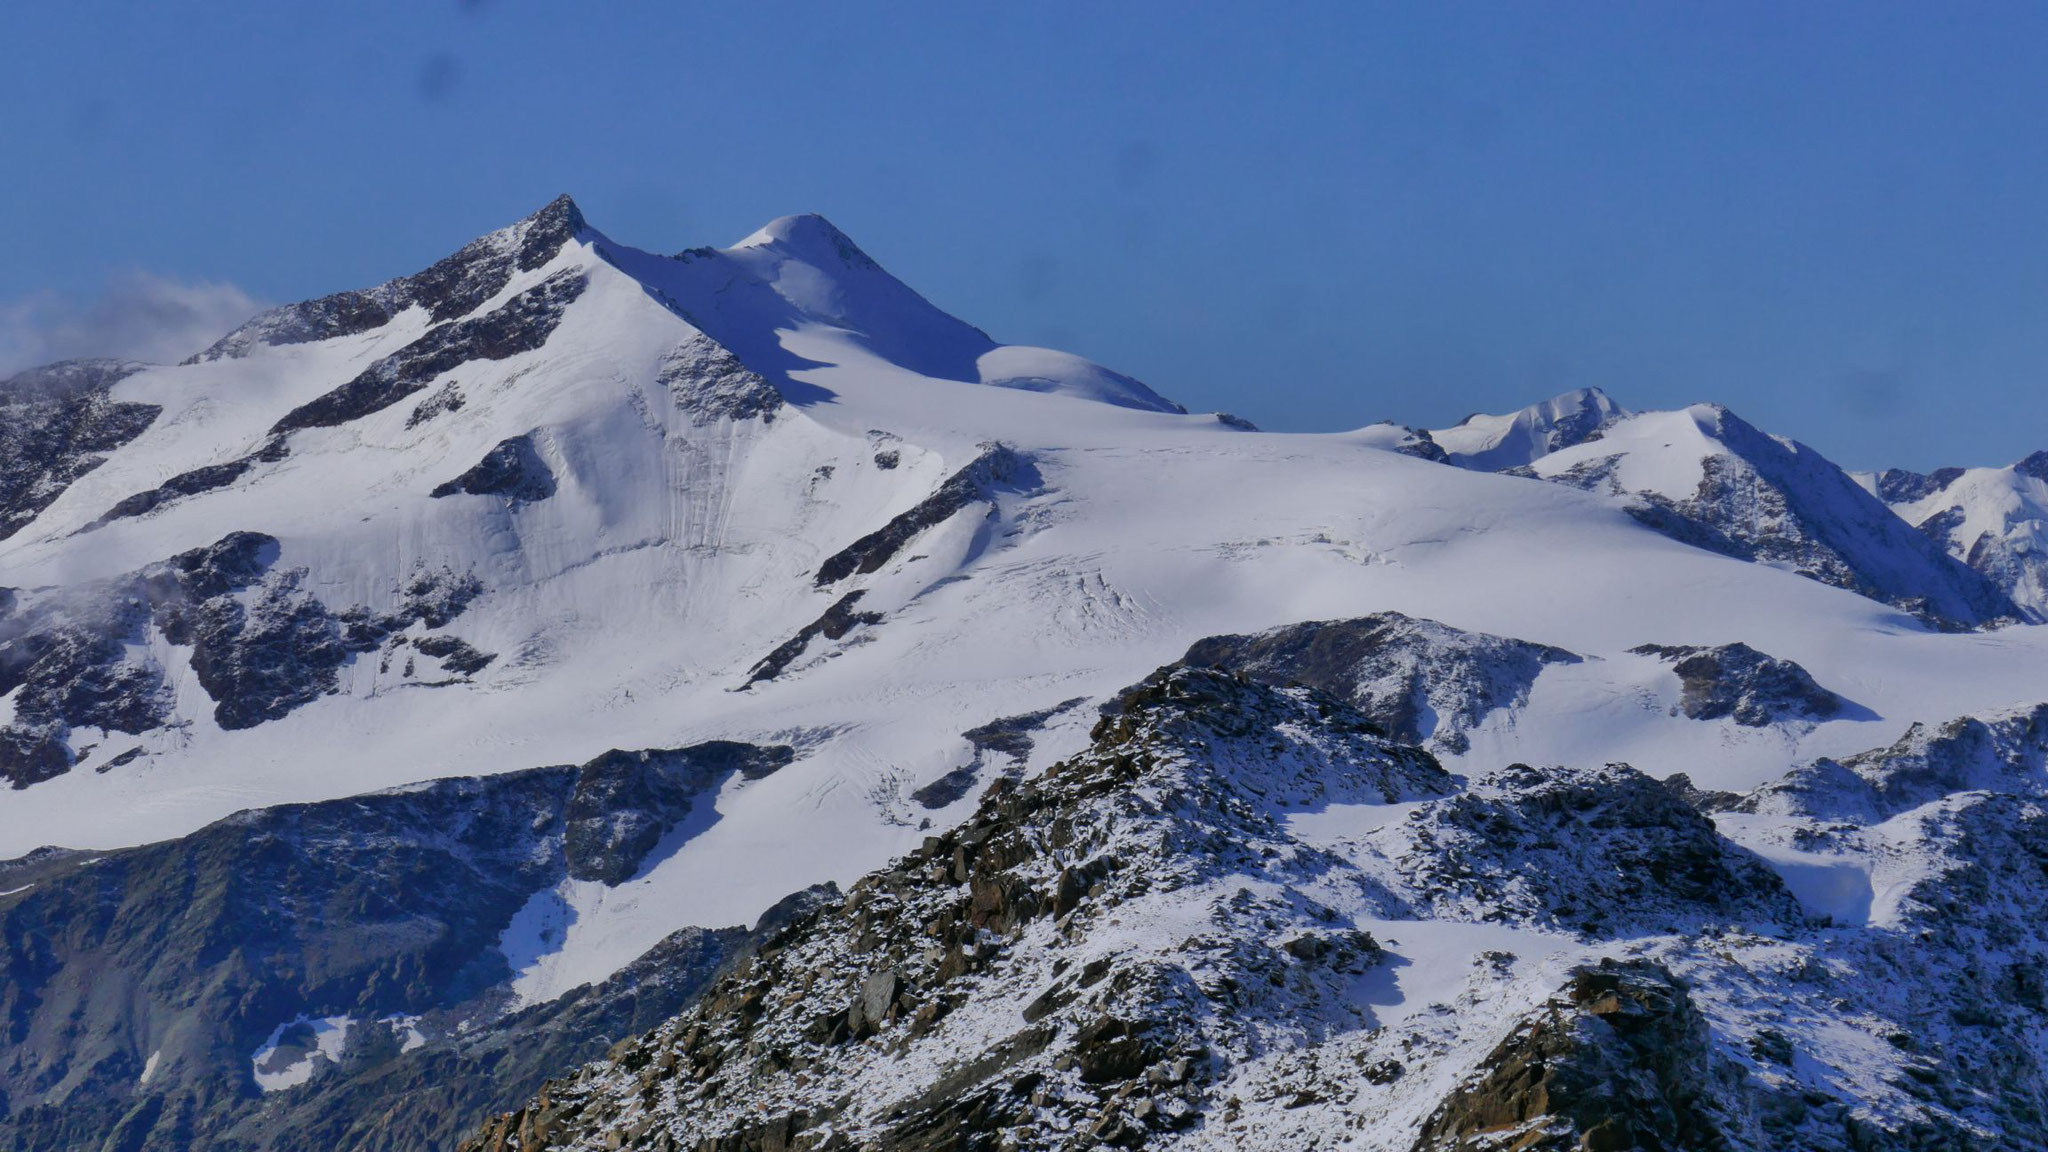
x=1619 y=1058
x=1706 y=477
x=449 y=290
x=1743 y=684
x=304 y=969
x=1146 y=897
x=1497 y=443
x=2001 y=752
x=57 y=423
x=1993 y=519
x=1604 y=851
x=1422 y=681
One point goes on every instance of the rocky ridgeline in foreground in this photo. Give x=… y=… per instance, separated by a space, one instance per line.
x=1138 y=948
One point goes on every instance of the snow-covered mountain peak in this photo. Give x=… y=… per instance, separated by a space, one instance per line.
x=1993 y=519
x=1495 y=443
x=810 y=237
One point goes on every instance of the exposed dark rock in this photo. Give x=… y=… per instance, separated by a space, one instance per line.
x=57 y=423
x=262 y=659
x=708 y=383
x=625 y=802
x=1899 y=486
x=197 y=949
x=1701 y=799
x=1419 y=679
x=450 y=289
x=838 y=620
x=207 y=479
x=1619 y=1060
x=455 y=655
x=998 y=468
x=521 y=324
x=69 y=653
x=1741 y=683
x=446 y=399
x=1779 y=502
x=1009 y=736
x=261 y=646
x=514 y=469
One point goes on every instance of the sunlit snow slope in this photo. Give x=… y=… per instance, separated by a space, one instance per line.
x=655 y=520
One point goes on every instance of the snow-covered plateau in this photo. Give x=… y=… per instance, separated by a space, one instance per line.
x=577 y=697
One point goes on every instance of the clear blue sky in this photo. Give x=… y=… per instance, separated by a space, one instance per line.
x=1831 y=216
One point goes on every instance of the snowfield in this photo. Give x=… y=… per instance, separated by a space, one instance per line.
x=698 y=437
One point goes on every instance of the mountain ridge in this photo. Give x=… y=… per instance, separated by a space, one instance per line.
x=554 y=496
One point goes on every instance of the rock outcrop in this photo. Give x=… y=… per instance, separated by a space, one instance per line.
x=1423 y=682
x=58 y=423
x=1742 y=684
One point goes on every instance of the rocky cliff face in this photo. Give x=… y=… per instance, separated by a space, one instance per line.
x=58 y=423
x=1743 y=684
x=302 y=970
x=89 y=664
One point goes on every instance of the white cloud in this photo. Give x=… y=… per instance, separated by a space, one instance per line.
x=138 y=315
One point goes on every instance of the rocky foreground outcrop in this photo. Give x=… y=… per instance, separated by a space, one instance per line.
x=1166 y=942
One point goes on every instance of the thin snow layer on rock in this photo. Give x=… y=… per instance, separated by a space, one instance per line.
x=1495 y=443
x=1391 y=437
x=1993 y=519
x=1704 y=476
x=2000 y=752
x=297 y=1049
x=1241 y=919
x=1424 y=682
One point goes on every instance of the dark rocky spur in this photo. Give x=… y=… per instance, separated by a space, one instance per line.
x=449 y=290
x=183 y=957
x=58 y=423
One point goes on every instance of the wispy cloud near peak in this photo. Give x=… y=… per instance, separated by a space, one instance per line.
x=138 y=315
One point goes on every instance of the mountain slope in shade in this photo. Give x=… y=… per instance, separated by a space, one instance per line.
x=1497 y=443
x=1993 y=519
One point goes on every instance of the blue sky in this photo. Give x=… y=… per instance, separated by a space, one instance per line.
x=1829 y=216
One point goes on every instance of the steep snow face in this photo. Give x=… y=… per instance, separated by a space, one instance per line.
x=1494 y=443
x=801 y=272
x=1993 y=519
x=1705 y=476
